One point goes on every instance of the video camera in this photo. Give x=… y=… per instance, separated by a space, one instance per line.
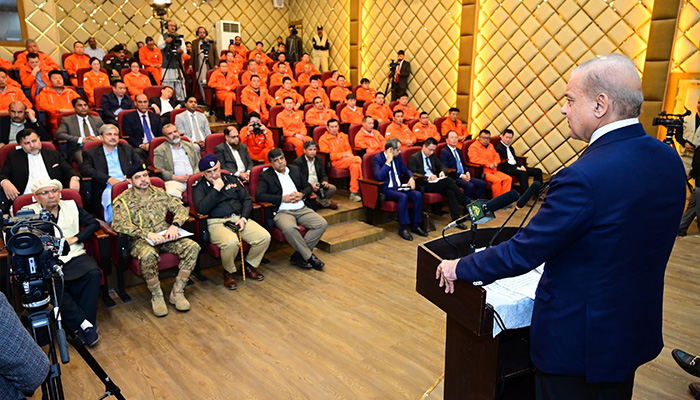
x=175 y=44
x=672 y=122
x=392 y=67
x=205 y=46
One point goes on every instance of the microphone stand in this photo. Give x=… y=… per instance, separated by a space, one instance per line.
x=472 y=240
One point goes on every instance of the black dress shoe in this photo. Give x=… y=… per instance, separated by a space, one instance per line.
x=316 y=263
x=462 y=226
x=420 y=232
x=298 y=260
x=405 y=234
x=694 y=389
x=689 y=362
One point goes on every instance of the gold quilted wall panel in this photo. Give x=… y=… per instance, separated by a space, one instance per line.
x=41 y=26
x=334 y=16
x=429 y=31
x=525 y=52
x=686 y=52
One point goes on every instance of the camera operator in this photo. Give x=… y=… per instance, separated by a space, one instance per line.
x=258 y=139
x=173 y=47
x=399 y=76
x=82 y=274
x=690 y=137
x=204 y=54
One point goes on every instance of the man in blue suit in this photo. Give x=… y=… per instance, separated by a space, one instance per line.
x=605 y=238
x=141 y=127
x=451 y=157
x=389 y=167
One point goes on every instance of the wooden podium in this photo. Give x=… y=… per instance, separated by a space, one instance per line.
x=477 y=365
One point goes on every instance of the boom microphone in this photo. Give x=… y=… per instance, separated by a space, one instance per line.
x=480 y=212
x=532 y=190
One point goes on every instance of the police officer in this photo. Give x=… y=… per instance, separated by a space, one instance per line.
x=224 y=198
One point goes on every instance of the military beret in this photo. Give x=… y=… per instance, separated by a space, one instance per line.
x=135 y=169
x=208 y=161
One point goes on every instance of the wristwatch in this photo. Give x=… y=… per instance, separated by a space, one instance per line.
x=175 y=224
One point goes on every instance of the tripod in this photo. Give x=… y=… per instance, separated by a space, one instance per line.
x=200 y=69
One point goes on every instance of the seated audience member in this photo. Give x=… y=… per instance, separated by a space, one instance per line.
x=408 y=111
x=334 y=80
x=314 y=90
x=152 y=59
x=379 y=111
x=452 y=123
x=390 y=169
x=481 y=152
x=106 y=164
x=280 y=51
x=304 y=78
x=135 y=81
x=312 y=171
x=55 y=99
x=141 y=126
x=351 y=114
x=369 y=138
x=193 y=123
x=287 y=91
x=34 y=75
x=337 y=145
x=318 y=115
x=93 y=50
x=258 y=51
x=283 y=186
x=305 y=60
x=364 y=92
x=400 y=130
x=693 y=210
x=513 y=166
x=238 y=47
x=250 y=72
x=19 y=118
x=115 y=102
x=257 y=138
x=234 y=155
x=256 y=98
x=340 y=92
x=76 y=61
x=424 y=129
x=261 y=69
x=224 y=82
x=139 y=45
x=11 y=93
x=277 y=77
x=31 y=163
x=165 y=104
x=178 y=159
x=78 y=129
x=6 y=65
x=293 y=128
x=451 y=157
x=426 y=163
x=94 y=78
x=140 y=212
x=81 y=274
x=235 y=63
x=33 y=48
x=116 y=64
x=223 y=197
x=282 y=59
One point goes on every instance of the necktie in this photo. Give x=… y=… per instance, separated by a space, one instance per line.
x=460 y=170
x=197 y=136
x=430 y=167
x=86 y=128
x=398 y=71
x=146 y=129
x=393 y=176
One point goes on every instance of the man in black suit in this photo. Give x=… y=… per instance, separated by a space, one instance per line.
x=114 y=103
x=141 y=126
x=399 y=81
x=451 y=157
x=233 y=155
x=433 y=177
x=165 y=104
x=105 y=172
x=513 y=165
x=312 y=171
x=20 y=118
x=283 y=186
x=78 y=129
x=31 y=163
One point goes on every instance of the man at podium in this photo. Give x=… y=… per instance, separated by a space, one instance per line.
x=605 y=236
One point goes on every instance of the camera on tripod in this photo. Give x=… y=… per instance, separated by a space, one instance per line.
x=175 y=44
x=392 y=67
x=205 y=46
x=673 y=124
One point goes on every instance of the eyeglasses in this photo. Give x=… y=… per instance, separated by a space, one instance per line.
x=45 y=192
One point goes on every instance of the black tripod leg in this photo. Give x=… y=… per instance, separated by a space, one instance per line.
x=111 y=389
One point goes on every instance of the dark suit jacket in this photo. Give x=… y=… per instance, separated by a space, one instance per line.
x=448 y=159
x=5 y=129
x=270 y=189
x=132 y=127
x=606 y=240
x=415 y=164
x=157 y=101
x=70 y=130
x=16 y=168
x=228 y=162
x=404 y=73
x=381 y=170
x=110 y=104
x=95 y=166
x=300 y=162
x=501 y=150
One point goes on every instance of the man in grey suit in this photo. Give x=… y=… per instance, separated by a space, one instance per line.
x=193 y=123
x=78 y=129
x=178 y=159
x=234 y=156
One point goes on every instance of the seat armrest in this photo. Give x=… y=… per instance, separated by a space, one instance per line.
x=107 y=228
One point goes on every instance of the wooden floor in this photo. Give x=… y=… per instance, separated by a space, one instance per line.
x=358 y=330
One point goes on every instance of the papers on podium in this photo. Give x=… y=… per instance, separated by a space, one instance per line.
x=182 y=233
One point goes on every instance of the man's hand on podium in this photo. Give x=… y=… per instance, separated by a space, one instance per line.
x=447 y=274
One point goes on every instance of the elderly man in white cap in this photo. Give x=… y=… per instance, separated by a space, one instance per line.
x=81 y=272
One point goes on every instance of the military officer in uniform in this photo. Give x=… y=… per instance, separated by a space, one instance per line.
x=140 y=212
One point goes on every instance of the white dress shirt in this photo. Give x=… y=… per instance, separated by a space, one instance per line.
x=37 y=171
x=288 y=187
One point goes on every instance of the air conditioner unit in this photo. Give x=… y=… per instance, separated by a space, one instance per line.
x=226 y=32
x=278 y=3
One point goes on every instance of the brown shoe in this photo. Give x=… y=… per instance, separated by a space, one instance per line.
x=333 y=205
x=694 y=388
x=253 y=273
x=229 y=281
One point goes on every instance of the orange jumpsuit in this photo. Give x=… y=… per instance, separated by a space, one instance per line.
x=312 y=93
x=372 y=141
x=238 y=61
x=245 y=79
x=149 y=59
x=91 y=81
x=478 y=154
x=44 y=60
x=303 y=79
x=52 y=103
x=12 y=82
x=349 y=116
x=382 y=112
x=29 y=80
x=337 y=147
x=136 y=84
x=282 y=93
x=331 y=82
x=408 y=112
x=339 y=94
x=365 y=94
x=225 y=86
x=276 y=79
x=299 y=68
x=6 y=64
x=240 y=50
x=275 y=69
x=73 y=63
x=316 y=117
x=448 y=125
x=266 y=59
x=402 y=133
x=423 y=132
x=13 y=93
x=258 y=146
x=257 y=101
x=293 y=124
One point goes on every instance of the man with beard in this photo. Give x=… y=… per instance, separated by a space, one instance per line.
x=177 y=159
x=234 y=156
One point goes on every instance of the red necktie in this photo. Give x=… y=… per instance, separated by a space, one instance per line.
x=398 y=70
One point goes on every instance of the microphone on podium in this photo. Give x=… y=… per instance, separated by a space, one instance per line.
x=480 y=211
x=531 y=191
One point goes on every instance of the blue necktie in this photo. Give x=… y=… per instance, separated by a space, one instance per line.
x=393 y=177
x=460 y=170
x=430 y=167
x=146 y=129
